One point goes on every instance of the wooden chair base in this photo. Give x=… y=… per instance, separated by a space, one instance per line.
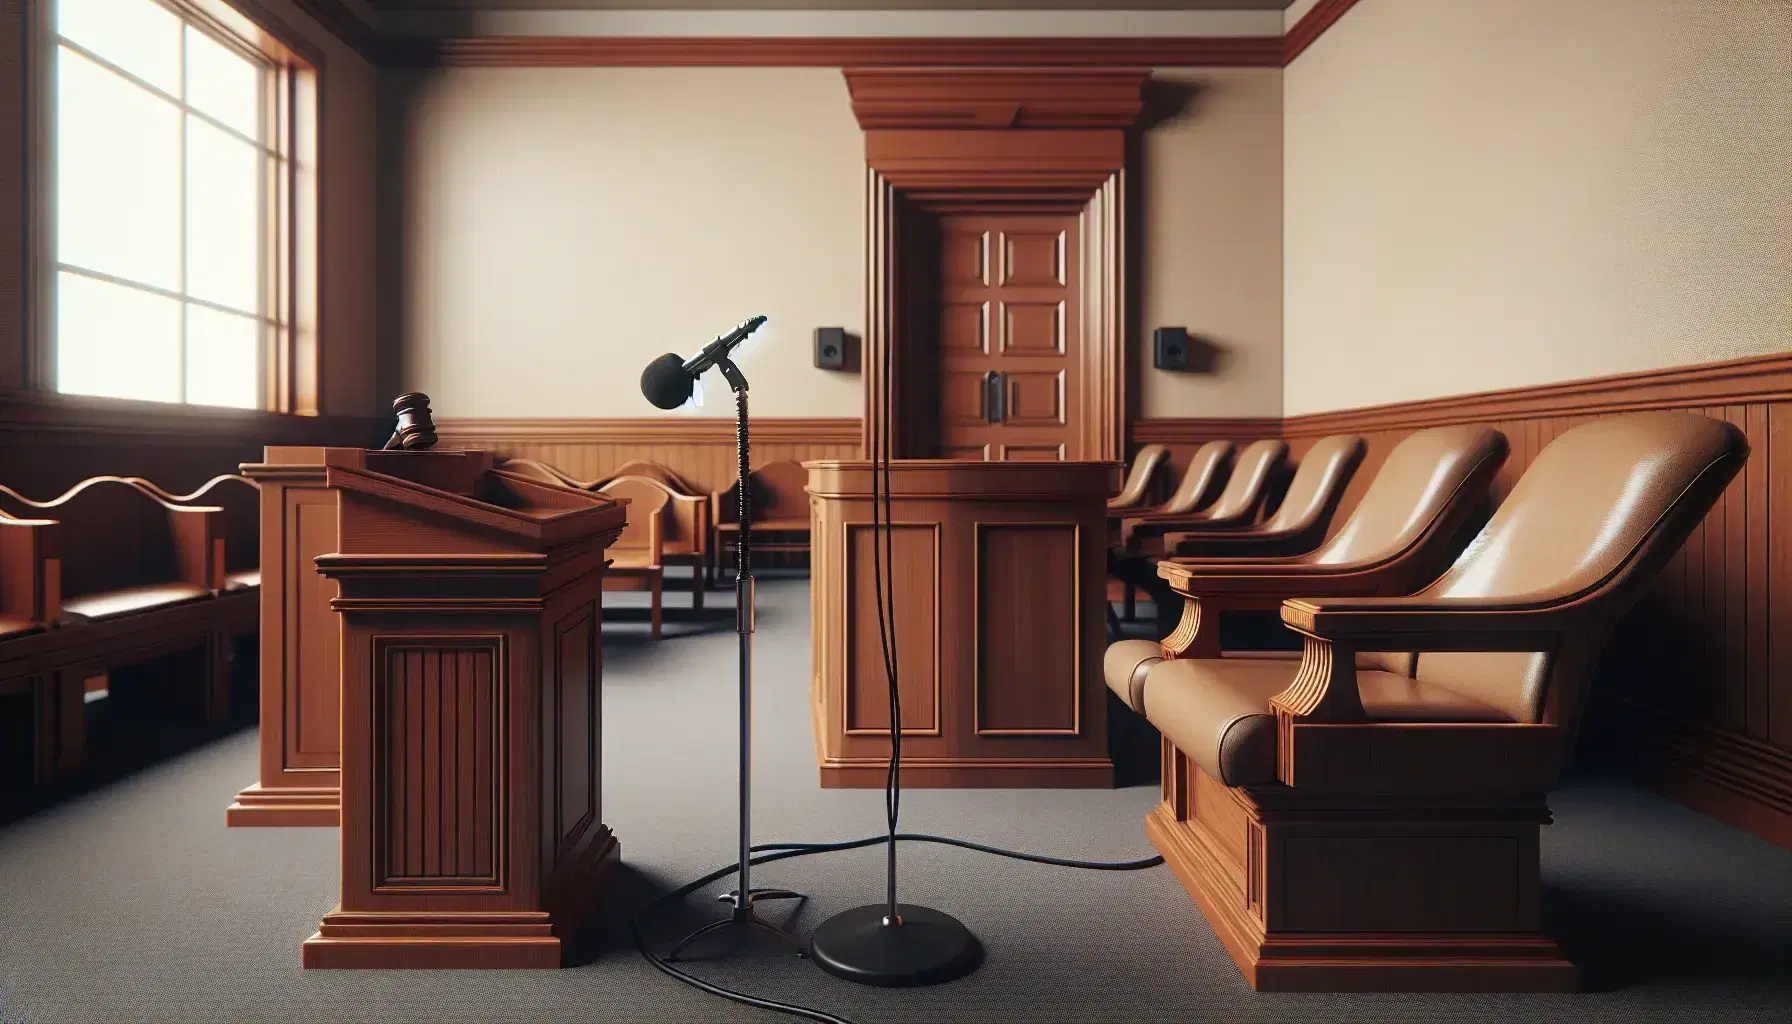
x=650 y=579
x=1309 y=894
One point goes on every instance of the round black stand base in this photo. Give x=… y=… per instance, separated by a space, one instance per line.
x=927 y=948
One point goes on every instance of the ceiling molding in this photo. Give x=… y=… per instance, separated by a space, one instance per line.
x=767 y=51
x=347 y=23
x=1309 y=28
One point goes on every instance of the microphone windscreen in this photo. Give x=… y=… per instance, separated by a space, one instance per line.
x=665 y=383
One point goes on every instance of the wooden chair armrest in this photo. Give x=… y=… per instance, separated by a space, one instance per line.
x=1335 y=629
x=31 y=569
x=1281 y=577
x=1201 y=545
x=1429 y=624
x=199 y=544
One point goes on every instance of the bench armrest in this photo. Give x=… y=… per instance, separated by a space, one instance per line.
x=31 y=569
x=198 y=532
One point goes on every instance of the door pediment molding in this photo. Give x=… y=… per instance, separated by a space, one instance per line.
x=997 y=98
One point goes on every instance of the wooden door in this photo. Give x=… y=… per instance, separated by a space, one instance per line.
x=1010 y=337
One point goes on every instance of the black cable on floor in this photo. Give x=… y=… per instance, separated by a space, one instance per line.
x=783 y=851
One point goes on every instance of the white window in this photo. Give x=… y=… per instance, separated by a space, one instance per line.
x=172 y=208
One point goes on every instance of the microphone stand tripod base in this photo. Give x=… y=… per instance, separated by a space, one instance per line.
x=927 y=948
x=744 y=915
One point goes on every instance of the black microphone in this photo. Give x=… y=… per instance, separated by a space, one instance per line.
x=668 y=380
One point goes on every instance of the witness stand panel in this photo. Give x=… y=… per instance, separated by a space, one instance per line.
x=471 y=810
x=999 y=585
x=301 y=645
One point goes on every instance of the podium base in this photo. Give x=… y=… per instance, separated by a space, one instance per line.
x=285 y=806
x=927 y=948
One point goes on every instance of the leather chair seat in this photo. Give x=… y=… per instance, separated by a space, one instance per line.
x=114 y=603
x=1216 y=710
x=246 y=580
x=12 y=626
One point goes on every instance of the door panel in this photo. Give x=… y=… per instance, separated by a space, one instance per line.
x=1010 y=337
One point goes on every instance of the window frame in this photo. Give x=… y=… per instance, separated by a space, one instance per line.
x=290 y=355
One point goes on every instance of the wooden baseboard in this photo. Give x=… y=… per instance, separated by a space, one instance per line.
x=1737 y=780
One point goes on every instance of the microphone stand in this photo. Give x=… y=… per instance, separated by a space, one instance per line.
x=891 y=944
x=743 y=897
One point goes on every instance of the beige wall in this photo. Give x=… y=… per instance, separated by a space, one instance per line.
x=1513 y=192
x=1213 y=244
x=564 y=226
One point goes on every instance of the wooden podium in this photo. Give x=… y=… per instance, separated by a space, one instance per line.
x=301 y=648
x=1000 y=578
x=472 y=827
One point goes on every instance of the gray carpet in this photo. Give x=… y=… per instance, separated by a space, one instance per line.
x=134 y=902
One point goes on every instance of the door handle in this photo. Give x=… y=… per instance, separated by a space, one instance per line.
x=994 y=395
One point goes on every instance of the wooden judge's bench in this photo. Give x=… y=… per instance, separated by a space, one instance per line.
x=999 y=581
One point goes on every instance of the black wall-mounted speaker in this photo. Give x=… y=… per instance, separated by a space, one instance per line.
x=1169 y=348
x=830 y=348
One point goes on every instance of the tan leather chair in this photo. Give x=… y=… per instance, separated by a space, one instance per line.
x=1299 y=522
x=1145 y=466
x=1237 y=507
x=1200 y=481
x=1381 y=812
x=1401 y=534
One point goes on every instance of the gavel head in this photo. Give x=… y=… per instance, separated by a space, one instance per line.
x=416 y=432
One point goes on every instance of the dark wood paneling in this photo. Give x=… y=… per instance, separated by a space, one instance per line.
x=436 y=711
x=1028 y=664
x=580 y=736
x=914 y=561
x=50 y=442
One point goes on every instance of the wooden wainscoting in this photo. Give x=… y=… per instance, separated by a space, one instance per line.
x=1702 y=669
x=700 y=449
x=50 y=442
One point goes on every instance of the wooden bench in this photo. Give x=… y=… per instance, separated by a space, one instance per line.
x=779 y=503
x=106 y=577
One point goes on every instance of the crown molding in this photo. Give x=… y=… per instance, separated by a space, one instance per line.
x=352 y=28
x=818 y=52
x=1311 y=26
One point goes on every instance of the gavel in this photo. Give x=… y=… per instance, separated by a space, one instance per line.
x=416 y=432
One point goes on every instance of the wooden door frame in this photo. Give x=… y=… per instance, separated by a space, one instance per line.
x=995 y=140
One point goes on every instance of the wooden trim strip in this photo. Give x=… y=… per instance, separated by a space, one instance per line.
x=158 y=423
x=1200 y=431
x=821 y=52
x=1305 y=32
x=1751 y=379
x=648 y=430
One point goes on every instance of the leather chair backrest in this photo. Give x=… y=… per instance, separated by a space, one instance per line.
x=1592 y=521
x=1318 y=482
x=646 y=498
x=1204 y=468
x=1249 y=483
x=1421 y=479
x=1144 y=466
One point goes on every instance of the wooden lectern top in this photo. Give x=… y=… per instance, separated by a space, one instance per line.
x=528 y=514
